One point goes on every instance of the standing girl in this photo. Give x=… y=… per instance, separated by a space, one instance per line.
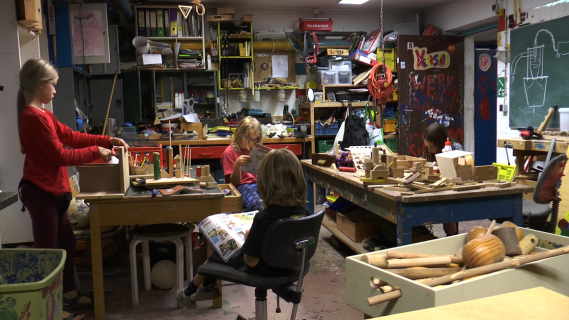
x=247 y=134
x=44 y=188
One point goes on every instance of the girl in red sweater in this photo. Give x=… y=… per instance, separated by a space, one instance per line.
x=44 y=188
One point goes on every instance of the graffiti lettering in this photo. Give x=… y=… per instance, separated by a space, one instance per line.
x=424 y=60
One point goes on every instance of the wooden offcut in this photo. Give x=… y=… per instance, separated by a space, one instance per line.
x=510 y=240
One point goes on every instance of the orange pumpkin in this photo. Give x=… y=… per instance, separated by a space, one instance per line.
x=483 y=251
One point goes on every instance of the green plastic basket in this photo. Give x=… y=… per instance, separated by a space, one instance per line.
x=324 y=145
x=505 y=172
x=31 y=283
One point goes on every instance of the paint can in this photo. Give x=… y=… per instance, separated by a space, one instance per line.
x=198 y=171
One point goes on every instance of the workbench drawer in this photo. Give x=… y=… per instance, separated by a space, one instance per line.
x=551 y=273
x=232 y=203
x=296 y=148
x=213 y=152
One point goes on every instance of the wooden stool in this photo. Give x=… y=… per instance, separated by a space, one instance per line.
x=161 y=232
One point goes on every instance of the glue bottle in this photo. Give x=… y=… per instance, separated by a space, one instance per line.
x=447 y=147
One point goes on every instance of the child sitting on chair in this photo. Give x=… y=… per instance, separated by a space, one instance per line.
x=283 y=198
x=247 y=134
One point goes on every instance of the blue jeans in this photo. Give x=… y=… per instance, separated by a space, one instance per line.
x=251 y=198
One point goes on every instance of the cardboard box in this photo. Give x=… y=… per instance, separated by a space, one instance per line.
x=338 y=52
x=226 y=10
x=356 y=225
x=193 y=126
x=219 y=17
x=247 y=18
x=449 y=161
x=551 y=273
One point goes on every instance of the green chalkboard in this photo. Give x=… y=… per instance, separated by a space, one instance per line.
x=539 y=72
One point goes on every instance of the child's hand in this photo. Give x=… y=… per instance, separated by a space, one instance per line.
x=242 y=160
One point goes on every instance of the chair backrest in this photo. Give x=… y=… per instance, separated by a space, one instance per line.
x=279 y=243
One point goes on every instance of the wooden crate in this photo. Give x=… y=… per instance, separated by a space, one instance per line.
x=550 y=273
x=355 y=225
x=231 y=204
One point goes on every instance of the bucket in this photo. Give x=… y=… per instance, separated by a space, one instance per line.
x=141 y=44
x=564 y=119
x=166 y=127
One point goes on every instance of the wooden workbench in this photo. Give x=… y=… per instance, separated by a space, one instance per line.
x=530 y=304
x=226 y=141
x=420 y=209
x=138 y=207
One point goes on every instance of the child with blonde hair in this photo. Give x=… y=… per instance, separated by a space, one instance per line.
x=247 y=134
x=283 y=189
x=44 y=188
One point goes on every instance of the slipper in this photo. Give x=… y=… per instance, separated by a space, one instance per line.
x=72 y=316
x=72 y=304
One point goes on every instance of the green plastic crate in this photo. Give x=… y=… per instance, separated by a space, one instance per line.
x=392 y=144
x=31 y=283
x=324 y=145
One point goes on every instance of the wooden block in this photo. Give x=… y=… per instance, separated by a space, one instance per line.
x=396 y=189
x=464 y=172
x=482 y=173
x=396 y=172
x=470 y=187
x=440 y=183
x=434 y=177
x=433 y=190
x=317 y=157
x=503 y=185
x=407 y=193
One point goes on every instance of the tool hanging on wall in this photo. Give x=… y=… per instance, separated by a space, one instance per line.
x=380 y=80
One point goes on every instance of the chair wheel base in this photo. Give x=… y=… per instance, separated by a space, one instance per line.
x=240 y=317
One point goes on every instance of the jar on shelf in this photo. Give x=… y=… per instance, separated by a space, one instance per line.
x=243 y=96
x=281 y=95
x=257 y=95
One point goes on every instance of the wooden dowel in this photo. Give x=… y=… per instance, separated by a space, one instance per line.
x=424 y=273
x=171 y=161
x=497 y=266
x=379 y=283
x=372 y=301
x=181 y=156
x=407 y=255
x=528 y=243
x=378 y=260
x=491 y=228
x=418 y=262
x=388 y=288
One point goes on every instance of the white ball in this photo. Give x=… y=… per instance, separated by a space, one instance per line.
x=78 y=212
x=163 y=274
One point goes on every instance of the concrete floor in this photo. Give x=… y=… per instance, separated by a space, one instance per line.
x=323 y=298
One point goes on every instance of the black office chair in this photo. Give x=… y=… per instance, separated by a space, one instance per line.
x=292 y=244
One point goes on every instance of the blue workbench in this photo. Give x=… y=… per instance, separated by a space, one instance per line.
x=420 y=209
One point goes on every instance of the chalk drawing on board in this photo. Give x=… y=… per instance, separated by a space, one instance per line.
x=535 y=82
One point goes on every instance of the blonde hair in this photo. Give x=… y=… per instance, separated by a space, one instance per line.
x=246 y=125
x=33 y=73
x=280 y=179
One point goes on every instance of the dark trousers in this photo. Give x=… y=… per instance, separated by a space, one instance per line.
x=51 y=228
x=251 y=198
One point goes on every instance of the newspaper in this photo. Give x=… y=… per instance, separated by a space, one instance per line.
x=257 y=154
x=226 y=232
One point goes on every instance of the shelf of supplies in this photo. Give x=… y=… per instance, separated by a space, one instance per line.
x=331 y=104
x=173 y=38
x=142 y=68
x=240 y=36
x=236 y=57
x=331 y=225
x=236 y=88
x=276 y=88
x=341 y=86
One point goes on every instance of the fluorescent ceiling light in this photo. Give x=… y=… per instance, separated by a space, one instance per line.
x=353 y=1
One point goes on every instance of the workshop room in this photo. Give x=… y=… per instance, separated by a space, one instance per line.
x=224 y=159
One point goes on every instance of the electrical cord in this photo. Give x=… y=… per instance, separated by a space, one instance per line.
x=380 y=84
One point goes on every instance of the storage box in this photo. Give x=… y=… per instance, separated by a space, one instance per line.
x=360 y=57
x=104 y=178
x=344 y=77
x=389 y=125
x=324 y=145
x=550 y=273
x=326 y=77
x=392 y=144
x=337 y=65
x=390 y=58
x=449 y=161
x=321 y=130
x=356 y=225
x=193 y=126
x=231 y=203
x=219 y=17
x=338 y=52
x=226 y=10
x=32 y=283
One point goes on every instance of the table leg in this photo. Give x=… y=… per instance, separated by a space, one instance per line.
x=97 y=262
x=517 y=208
x=309 y=193
x=217 y=302
x=404 y=226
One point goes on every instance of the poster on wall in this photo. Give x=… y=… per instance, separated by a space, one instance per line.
x=431 y=89
x=89 y=33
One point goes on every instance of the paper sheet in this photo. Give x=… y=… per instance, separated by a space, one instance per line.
x=151 y=58
x=280 y=66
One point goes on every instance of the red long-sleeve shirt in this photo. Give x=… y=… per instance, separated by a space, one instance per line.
x=43 y=139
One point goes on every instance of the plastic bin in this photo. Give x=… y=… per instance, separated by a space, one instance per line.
x=389 y=125
x=505 y=172
x=326 y=77
x=390 y=58
x=31 y=283
x=344 y=65
x=344 y=77
x=325 y=145
x=321 y=130
x=392 y=144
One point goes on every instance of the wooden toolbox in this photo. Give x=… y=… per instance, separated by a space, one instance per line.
x=233 y=203
x=551 y=273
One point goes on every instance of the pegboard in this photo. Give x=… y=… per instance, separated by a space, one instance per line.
x=261 y=74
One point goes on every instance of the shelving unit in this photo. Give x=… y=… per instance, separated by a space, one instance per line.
x=233 y=64
x=172 y=40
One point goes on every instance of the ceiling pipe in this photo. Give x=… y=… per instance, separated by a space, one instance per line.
x=477 y=30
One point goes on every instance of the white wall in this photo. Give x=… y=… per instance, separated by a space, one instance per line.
x=469 y=93
x=461 y=15
x=15 y=226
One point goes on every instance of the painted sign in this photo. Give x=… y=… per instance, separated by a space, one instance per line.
x=424 y=60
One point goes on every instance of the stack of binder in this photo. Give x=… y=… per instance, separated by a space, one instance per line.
x=168 y=22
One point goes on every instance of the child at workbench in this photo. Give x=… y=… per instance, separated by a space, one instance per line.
x=283 y=198
x=434 y=138
x=44 y=188
x=247 y=134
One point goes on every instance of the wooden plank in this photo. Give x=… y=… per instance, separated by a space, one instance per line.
x=433 y=190
x=469 y=187
x=399 y=189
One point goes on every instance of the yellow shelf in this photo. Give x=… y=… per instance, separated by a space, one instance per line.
x=236 y=57
x=331 y=104
x=341 y=86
